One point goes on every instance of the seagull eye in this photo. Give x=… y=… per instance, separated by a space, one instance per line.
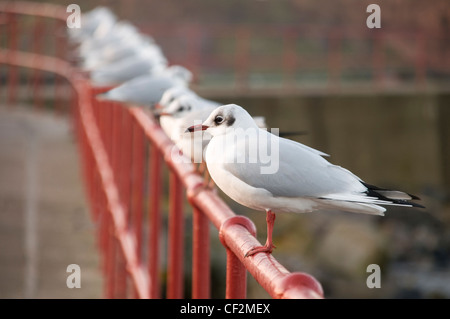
x=181 y=109
x=218 y=120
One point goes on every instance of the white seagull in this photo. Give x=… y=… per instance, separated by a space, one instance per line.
x=145 y=61
x=149 y=88
x=183 y=112
x=293 y=178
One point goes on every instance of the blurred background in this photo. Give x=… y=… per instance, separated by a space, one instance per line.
x=376 y=100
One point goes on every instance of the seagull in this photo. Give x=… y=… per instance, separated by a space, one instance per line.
x=148 y=89
x=117 y=32
x=96 y=21
x=175 y=92
x=145 y=61
x=294 y=178
x=117 y=49
x=185 y=111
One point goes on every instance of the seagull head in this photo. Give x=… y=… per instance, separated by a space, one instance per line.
x=180 y=72
x=174 y=93
x=224 y=118
x=179 y=107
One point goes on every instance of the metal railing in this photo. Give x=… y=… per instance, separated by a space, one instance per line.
x=123 y=151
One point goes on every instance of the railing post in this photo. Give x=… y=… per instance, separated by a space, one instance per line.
x=289 y=59
x=421 y=62
x=36 y=78
x=121 y=275
x=126 y=164
x=176 y=239
x=110 y=259
x=200 y=256
x=334 y=59
x=242 y=54
x=13 y=76
x=59 y=26
x=138 y=185
x=154 y=222
x=236 y=281
x=378 y=58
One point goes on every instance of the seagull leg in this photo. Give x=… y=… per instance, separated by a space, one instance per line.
x=269 y=246
x=207 y=180
x=201 y=167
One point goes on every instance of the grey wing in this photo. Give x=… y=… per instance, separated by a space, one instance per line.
x=120 y=72
x=298 y=171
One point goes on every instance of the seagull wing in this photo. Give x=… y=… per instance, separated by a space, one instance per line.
x=296 y=169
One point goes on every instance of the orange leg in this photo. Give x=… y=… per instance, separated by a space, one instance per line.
x=269 y=246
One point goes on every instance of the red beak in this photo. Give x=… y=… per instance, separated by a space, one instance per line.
x=198 y=127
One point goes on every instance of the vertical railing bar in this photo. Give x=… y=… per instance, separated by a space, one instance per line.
x=126 y=165
x=334 y=59
x=13 y=69
x=421 y=63
x=36 y=48
x=154 y=222
x=125 y=183
x=201 y=276
x=289 y=59
x=378 y=58
x=110 y=259
x=236 y=280
x=103 y=234
x=121 y=274
x=176 y=239
x=242 y=56
x=136 y=193
x=60 y=53
x=120 y=171
x=138 y=184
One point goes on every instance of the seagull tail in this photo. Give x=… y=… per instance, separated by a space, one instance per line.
x=353 y=207
x=369 y=201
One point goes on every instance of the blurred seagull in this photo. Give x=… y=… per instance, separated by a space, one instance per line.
x=148 y=89
x=117 y=50
x=95 y=22
x=295 y=178
x=146 y=61
x=170 y=95
x=113 y=36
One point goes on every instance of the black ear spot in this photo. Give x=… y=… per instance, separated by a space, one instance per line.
x=231 y=120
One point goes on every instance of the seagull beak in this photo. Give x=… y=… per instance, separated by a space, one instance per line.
x=195 y=128
x=162 y=113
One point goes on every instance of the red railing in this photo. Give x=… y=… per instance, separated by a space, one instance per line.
x=124 y=153
x=302 y=59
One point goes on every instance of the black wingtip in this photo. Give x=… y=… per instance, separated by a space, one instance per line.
x=292 y=133
x=373 y=191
